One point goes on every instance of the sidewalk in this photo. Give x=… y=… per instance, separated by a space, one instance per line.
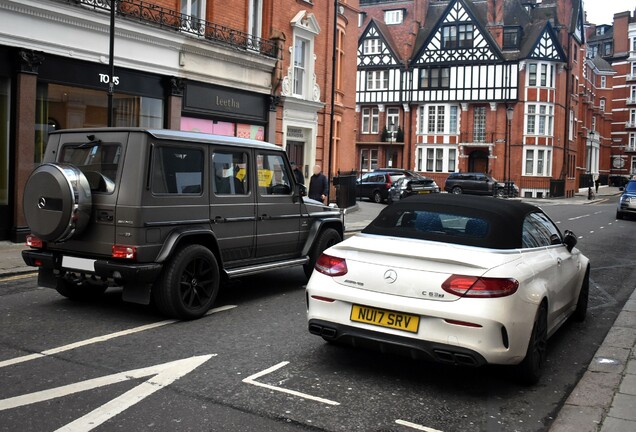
x=604 y=400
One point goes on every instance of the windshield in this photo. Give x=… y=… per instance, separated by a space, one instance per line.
x=630 y=186
x=98 y=161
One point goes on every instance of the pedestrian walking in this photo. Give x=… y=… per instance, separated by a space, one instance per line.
x=300 y=178
x=318 y=185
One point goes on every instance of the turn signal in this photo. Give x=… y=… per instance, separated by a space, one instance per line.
x=34 y=242
x=480 y=287
x=125 y=252
x=331 y=266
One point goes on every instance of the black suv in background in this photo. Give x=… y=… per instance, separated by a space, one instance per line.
x=407 y=186
x=375 y=185
x=167 y=215
x=477 y=184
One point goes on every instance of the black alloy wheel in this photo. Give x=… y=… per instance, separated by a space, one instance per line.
x=531 y=368
x=377 y=198
x=581 y=305
x=457 y=190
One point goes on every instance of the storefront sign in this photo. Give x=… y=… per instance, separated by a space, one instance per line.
x=105 y=79
x=223 y=102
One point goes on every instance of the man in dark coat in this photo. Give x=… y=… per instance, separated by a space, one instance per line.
x=300 y=178
x=318 y=185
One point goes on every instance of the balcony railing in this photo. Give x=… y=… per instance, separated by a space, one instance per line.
x=150 y=13
x=477 y=138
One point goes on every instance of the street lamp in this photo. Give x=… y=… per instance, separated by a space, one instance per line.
x=508 y=153
x=111 y=62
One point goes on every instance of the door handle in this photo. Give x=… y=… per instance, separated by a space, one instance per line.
x=265 y=217
x=218 y=219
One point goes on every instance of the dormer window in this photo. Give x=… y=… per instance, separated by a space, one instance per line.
x=393 y=16
x=511 y=38
x=457 y=36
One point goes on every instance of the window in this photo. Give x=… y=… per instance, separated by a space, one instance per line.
x=371 y=46
x=601 y=105
x=230 y=173
x=632 y=93
x=633 y=44
x=255 y=19
x=632 y=141
x=435 y=78
x=541 y=74
x=368 y=159
x=608 y=48
x=273 y=175
x=632 y=116
x=377 y=80
x=571 y=128
x=603 y=82
x=436 y=159
x=392 y=121
x=434 y=119
x=195 y=12
x=479 y=124
x=393 y=16
x=177 y=170
x=361 y=16
x=98 y=161
x=593 y=127
x=511 y=38
x=592 y=51
x=539 y=119
x=457 y=36
x=300 y=66
x=370 y=120
x=539 y=231
x=537 y=161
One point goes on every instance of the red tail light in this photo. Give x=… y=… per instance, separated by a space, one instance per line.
x=388 y=185
x=478 y=287
x=331 y=266
x=125 y=252
x=34 y=242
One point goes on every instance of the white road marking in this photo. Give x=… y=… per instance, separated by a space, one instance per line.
x=164 y=375
x=579 y=217
x=98 y=339
x=416 y=426
x=591 y=232
x=251 y=380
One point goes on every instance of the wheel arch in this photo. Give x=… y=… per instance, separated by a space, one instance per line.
x=182 y=238
x=319 y=226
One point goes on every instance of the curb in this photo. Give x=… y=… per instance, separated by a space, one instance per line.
x=589 y=404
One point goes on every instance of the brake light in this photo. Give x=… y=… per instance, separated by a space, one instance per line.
x=34 y=241
x=124 y=252
x=388 y=185
x=480 y=287
x=331 y=266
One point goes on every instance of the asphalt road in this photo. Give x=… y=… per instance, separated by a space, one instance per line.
x=251 y=365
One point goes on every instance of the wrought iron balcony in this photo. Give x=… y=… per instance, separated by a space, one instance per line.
x=477 y=137
x=163 y=17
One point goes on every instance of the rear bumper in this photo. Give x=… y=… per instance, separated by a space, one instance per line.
x=122 y=272
x=384 y=342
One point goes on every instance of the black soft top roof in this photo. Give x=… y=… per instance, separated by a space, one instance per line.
x=505 y=219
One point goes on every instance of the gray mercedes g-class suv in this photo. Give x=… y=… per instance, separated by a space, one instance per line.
x=167 y=215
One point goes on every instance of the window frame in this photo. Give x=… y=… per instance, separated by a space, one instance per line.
x=434 y=78
x=444 y=159
x=396 y=16
x=537 y=161
x=370 y=118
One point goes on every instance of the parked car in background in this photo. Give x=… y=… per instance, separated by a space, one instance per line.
x=627 y=201
x=477 y=184
x=464 y=281
x=375 y=185
x=399 y=171
x=408 y=186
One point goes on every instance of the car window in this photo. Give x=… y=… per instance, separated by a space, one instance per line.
x=441 y=223
x=630 y=187
x=366 y=177
x=231 y=173
x=177 y=170
x=98 y=161
x=273 y=175
x=539 y=231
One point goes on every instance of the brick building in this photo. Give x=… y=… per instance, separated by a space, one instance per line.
x=259 y=69
x=479 y=85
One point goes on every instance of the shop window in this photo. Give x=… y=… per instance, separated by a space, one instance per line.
x=66 y=107
x=177 y=170
x=230 y=173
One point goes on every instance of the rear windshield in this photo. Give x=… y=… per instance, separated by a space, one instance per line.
x=98 y=161
x=430 y=225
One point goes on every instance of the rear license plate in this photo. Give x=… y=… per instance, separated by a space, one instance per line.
x=385 y=318
x=75 y=263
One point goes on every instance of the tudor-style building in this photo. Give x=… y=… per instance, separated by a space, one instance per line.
x=489 y=86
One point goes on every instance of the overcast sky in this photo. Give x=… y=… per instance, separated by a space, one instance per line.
x=602 y=11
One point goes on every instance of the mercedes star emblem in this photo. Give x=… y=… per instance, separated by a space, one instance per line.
x=42 y=202
x=390 y=276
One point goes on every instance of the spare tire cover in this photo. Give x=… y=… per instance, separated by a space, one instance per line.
x=57 y=202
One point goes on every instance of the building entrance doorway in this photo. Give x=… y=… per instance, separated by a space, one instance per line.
x=478 y=161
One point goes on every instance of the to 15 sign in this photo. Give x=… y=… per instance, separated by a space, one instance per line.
x=105 y=79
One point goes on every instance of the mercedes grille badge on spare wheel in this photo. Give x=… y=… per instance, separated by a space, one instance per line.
x=390 y=276
x=42 y=202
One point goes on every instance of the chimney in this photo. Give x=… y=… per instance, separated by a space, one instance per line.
x=495 y=16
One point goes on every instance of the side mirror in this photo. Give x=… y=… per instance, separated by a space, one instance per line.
x=300 y=190
x=621 y=188
x=569 y=240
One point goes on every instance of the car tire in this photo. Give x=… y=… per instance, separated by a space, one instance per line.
x=377 y=198
x=581 y=304
x=78 y=290
x=189 y=284
x=325 y=239
x=499 y=193
x=619 y=215
x=457 y=190
x=531 y=368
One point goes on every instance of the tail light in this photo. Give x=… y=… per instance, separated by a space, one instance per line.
x=388 y=185
x=124 y=252
x=34 y=241
x=480 y=287
x=331 y=266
